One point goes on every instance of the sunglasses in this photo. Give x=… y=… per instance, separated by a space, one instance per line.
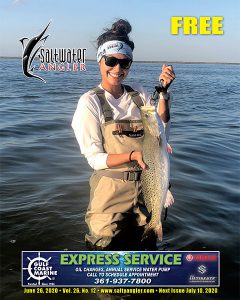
x=112 y=61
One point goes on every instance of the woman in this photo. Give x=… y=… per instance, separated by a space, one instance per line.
x=109 y=131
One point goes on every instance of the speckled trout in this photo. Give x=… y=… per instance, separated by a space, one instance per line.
x=155 y=178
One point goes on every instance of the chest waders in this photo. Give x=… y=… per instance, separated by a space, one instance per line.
x=116 y=203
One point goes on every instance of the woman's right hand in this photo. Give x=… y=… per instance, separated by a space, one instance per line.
x=137 y=155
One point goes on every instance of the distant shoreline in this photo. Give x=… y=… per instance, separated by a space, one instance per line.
x=154 y=61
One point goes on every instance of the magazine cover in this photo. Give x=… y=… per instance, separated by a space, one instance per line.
x=119 y=149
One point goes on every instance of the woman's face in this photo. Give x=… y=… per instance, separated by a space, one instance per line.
x=113 y=75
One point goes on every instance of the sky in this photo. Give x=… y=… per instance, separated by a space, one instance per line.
x=77 y=24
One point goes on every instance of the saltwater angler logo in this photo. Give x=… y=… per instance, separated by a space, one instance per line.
x=29 y=54
x=50 y=59
x=37 y=271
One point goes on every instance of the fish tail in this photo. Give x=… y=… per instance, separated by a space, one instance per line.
x=147 y=231
x=150 y=229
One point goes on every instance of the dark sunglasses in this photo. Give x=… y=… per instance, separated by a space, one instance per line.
x=112 y=61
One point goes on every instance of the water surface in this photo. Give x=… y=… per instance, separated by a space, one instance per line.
x=44 y=178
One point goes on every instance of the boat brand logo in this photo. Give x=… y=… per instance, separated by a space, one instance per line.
x=208 y=278
x=37 y=270
x=201 y=257
x=49 y=59
x=202 y=269
x=189 y=257
x=205 y=280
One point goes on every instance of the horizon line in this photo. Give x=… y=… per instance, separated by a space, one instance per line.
x=156 y=61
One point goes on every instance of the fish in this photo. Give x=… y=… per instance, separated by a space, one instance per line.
x=155 y=177
x=28 y=56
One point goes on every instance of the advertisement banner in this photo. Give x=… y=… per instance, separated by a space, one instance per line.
x=102 y=268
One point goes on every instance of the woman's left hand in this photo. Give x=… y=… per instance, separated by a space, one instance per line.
x=167 y=76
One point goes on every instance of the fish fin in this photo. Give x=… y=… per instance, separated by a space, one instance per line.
x=159 y=232
x=169 y=199
x=44 y=38
x=23 y=42
x=149 y=230
x=169 y=148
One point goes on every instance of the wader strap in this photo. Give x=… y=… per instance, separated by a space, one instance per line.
x=127 y=175
x=135 y=96
x=106 y=109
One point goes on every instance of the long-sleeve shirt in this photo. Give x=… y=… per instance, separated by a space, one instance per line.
x=88 y=118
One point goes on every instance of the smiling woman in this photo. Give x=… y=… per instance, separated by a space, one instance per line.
x=116 y=49
x=108 y=127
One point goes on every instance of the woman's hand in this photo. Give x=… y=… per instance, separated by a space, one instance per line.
x=167 y=76
x=137 y=155
x=114 y=160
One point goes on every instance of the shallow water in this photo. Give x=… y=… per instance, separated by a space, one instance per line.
x=44 y=178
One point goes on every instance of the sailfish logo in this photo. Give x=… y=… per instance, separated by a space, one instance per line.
x=30 y=52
